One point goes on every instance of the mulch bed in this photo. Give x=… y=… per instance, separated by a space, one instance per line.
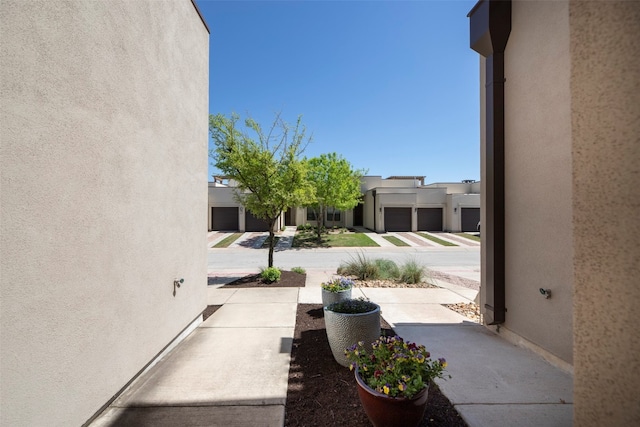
x=323 y=393
x=320 y=391
x=288 y=279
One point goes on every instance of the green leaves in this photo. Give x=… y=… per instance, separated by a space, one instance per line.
x=336 y=184
x=266 y=165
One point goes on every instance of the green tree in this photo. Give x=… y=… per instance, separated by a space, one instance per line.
x=266 y=165
x=336 y=185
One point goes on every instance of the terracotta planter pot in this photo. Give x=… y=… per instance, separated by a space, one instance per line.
x=345 y=330
x=331 y=297
x=385 y=411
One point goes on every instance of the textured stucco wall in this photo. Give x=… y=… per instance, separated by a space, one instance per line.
x=605 y=87
x=104 y=188
x=368 y=219
x=538 y=177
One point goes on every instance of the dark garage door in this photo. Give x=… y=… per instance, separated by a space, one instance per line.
x=429 y=219
x=397 y=219
x=470 y=218
x=224 y=219
x=251 y=223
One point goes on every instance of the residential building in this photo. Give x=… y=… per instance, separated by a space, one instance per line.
x=396 y=203
x=560 y=137
x=103 y=165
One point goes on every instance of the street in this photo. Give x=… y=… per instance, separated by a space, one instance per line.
x=246 y=259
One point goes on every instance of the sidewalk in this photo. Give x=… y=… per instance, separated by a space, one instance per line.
x=233 y=369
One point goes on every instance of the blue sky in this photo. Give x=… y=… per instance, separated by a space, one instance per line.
x=392 y=86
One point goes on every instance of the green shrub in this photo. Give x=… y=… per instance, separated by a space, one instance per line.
x=411 y=272
x=270 y=274
x=388 y=270
x=360 y=267
x=299 y=270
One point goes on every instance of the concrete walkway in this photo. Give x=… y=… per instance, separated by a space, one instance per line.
x=233 y=369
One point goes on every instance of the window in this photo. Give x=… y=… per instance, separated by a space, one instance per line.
x=331 y=216
x=311 y=215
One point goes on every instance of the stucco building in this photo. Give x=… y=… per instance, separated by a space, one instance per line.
x=103 y=163
x=560 y=130
x=396 y=203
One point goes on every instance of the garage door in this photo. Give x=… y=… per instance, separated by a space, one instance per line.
x=470 y=218
x=429 y=219
x=251 y=223
x=224 y=219
x=397 y=219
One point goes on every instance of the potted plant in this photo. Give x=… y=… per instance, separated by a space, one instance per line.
x=349 y=322
x=338 y=289
x=393 y=379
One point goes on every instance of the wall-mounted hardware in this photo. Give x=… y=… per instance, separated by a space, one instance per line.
x=176 y=284
x=545 y=293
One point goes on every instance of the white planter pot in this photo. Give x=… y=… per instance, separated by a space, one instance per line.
x=331 y=297
x=345 y=330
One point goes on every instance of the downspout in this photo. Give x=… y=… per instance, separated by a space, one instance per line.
x=490 y=25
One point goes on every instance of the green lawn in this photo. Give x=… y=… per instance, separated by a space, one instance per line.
x=469 y=236
x=395 y=240
x=307 y=239
x=224 y=243
x=436 y=240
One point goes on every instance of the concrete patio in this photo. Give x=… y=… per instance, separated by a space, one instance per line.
x=233 y=369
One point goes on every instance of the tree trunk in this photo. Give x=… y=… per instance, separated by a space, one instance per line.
x=272 y=240
x=318 y=224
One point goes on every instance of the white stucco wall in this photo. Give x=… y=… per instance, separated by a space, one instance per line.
x=103 y=173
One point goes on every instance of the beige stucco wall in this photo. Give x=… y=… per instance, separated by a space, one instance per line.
x=103 y=163
x=605 y=117
x=431 y=197
x=457 y=187
x=538 y=221
x=368 y=214
x=374 y=181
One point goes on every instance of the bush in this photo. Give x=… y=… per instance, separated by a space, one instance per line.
x=388 y=270
x=299 y=270
x=360 y=267
x=411 y=272
x=337 y=285
x=352 y=306
x=270 y=274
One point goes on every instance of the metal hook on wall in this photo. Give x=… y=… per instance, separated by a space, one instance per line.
x=176 y=284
